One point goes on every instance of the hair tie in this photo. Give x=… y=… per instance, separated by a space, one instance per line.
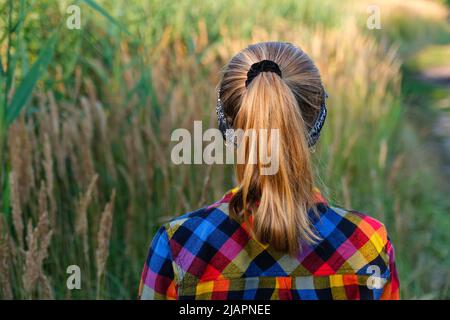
x=262 y=66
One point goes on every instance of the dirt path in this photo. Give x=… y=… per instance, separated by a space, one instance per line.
x=437 y=75
x=440 y=77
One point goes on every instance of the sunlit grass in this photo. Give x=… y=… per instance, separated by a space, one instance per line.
x=101 y=119
x=432 y=56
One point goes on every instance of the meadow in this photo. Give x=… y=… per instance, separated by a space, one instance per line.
x=86 y=116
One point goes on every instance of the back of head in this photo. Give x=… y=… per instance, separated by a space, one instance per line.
x=286 y=97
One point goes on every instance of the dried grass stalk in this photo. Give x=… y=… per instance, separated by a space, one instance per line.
x=81 y=222
x=48 y=168
x=45 y=288
x=16 y=208
x=42 y=200
x=103 y=238
x=20 y=153
x=6 y=292
x=38 y=241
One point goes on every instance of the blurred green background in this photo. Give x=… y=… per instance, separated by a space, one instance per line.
x=86 y=116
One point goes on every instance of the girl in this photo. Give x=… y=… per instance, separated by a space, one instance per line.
x=274 y=236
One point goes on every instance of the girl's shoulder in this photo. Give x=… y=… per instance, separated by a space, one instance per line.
x=356 y=225
x=357 y=236
x=201 y=224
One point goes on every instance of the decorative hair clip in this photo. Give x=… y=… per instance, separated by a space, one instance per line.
x=224 y=127
x=314 y=132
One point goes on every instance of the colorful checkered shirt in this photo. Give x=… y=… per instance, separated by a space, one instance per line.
x=206 y=254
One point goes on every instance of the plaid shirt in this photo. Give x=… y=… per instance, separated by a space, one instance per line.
x=206 y=254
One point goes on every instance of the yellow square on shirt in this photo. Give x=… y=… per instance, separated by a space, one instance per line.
x=336 y=280
x=204 y=287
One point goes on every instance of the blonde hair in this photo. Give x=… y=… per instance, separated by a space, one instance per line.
x=279 y=202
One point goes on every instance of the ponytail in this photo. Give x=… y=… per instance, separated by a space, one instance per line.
x=274 y=205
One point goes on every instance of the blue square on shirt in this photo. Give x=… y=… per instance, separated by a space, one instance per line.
x=307 y=294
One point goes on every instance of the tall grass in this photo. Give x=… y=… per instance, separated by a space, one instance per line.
x=87 y=176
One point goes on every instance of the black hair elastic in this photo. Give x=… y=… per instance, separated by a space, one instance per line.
x=262 y=66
